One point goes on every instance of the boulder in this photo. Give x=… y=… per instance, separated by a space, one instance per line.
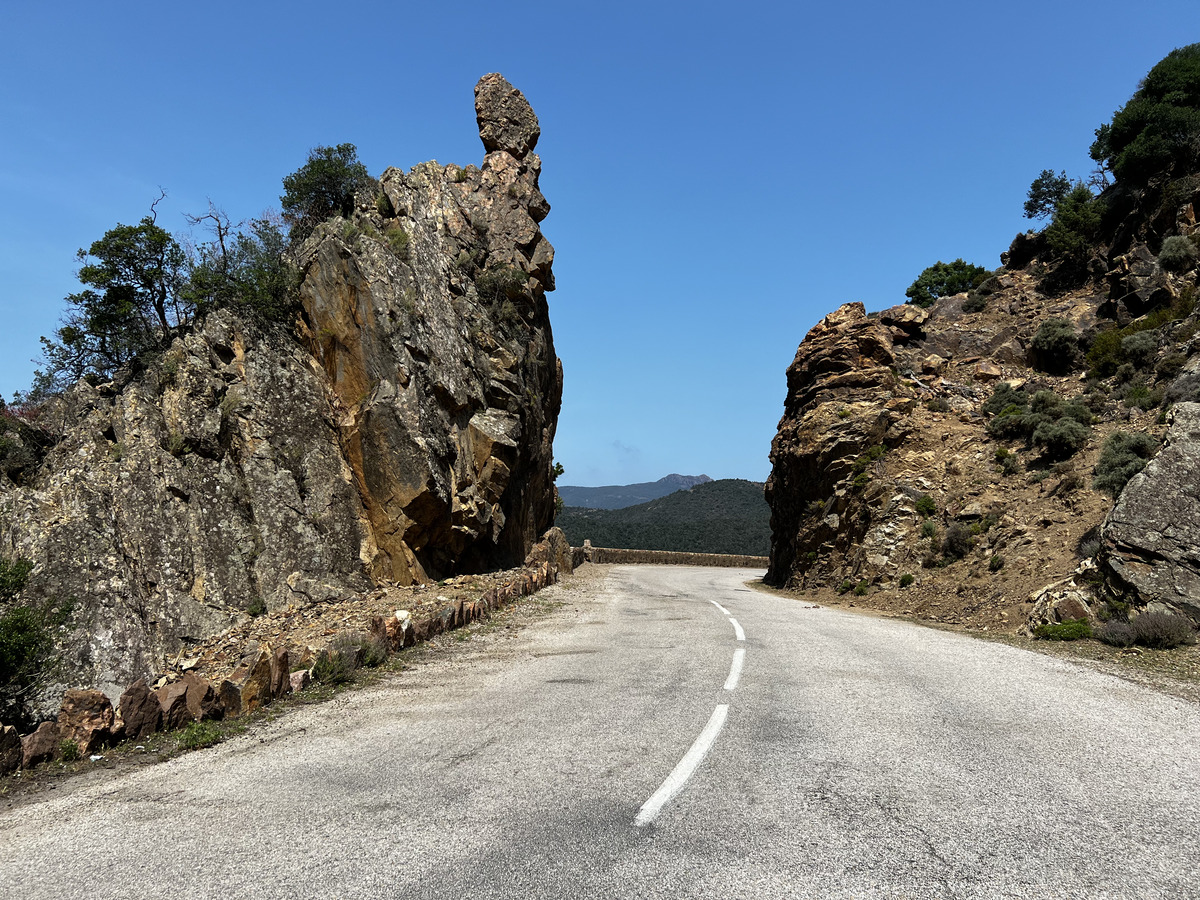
x=281 y=672
x=87 y=718
x=140 y=711
x=11 y=752
x=1149 y=539
x=203 y=701
x=506 y=120
x=253 y=680
x=231 y=698
x=41 y=746
x=173 y=700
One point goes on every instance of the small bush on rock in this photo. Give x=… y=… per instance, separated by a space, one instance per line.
x=1116 y=634
x=1055 y=347
x=926 y=506
x=957 y=542
x=907 y=579
x=1060 y=439
x=1178 y=254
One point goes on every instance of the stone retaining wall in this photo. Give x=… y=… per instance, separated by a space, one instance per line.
x=667 y=558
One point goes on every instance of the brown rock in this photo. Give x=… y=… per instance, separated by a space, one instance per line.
x=231 y=698
x=41 y=746
x=506 y=120
x=173 y=700
x=203 y=701
x=140 y=711
x=255 y=681
x=281 y=672
x=11 y=752
x=87 y=718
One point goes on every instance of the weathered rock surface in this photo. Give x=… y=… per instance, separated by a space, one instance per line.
x=41 y=746
x=1152 y=536
x=87 y=718
x=405 y=436
x=173 y=700
x=139 y=710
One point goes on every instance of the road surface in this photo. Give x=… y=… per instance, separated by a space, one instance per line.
x=666 y=732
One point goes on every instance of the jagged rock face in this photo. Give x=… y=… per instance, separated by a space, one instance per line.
x=406 y=436
x=1153 y=532
x=843 y=398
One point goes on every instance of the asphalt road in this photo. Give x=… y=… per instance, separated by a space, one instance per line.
x=857 y=757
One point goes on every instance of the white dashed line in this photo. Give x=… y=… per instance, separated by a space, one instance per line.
x=735 y=670
x=684 y=769
x=719 y=606
x=737 y=629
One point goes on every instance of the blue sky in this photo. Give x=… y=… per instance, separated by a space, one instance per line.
x=721 y=175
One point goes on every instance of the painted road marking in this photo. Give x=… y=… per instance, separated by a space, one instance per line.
x=737 y=629
x=719 y=606
x=684 y=769
x=735 y=670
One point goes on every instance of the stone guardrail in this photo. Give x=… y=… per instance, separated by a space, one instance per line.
x=588 y=553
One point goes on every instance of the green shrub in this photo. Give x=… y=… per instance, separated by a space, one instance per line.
x=1140 y=348
x=926 y=506
x=1178 y=254
x=861 y=589
x=907 y=579
x=996 y=563
x=1004 y=397
x=1116 y=633
x=1105 y=355
x=1060 y=439
x=257 y=607
x=1055 y=347
x=861 y=480
x=1170 y=366
x=397 y=239
x=1070 y=630
x=958 y=541
x=13 y=576
x=938 y=404
x=845 y=587
x=929 y=529
x=1007 y=461
x=944 y=279
x=1162 y=631
x=975 y=303
x=68 y=750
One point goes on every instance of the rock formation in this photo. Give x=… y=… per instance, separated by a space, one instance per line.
x=1152 y=536
x=405 y=435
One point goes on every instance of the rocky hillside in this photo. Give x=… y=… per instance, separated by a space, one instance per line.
x=403 y=432
x=947 y=462
x=618 y=496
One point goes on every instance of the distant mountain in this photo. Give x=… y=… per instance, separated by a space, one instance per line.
x=726 y=516
x=618 y=496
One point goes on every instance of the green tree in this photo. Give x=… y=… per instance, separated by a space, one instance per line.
x=1158 y=131
x=243 y=269
x=1047 y=191
x=322 y=188
x=944 y=279
x=1072 y=233
x=27 y=639
x=133 y=300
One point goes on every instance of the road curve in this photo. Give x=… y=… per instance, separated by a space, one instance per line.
x=854 y=757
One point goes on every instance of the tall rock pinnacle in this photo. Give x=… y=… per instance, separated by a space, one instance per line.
x=506 y=120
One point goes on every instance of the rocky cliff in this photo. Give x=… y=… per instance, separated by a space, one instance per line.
x=402 y=433
x=892 y=477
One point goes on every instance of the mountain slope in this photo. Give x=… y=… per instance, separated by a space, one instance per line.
x=725 y=516
x=618 y=496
